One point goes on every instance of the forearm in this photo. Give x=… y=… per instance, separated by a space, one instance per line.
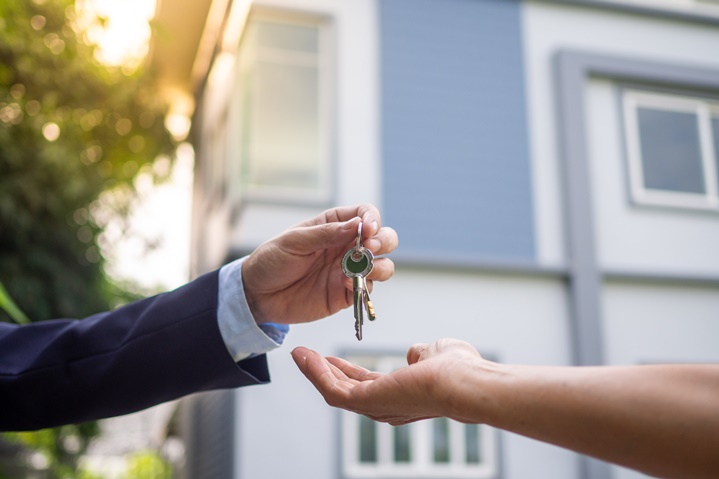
x=662 y=420
x=151 y=351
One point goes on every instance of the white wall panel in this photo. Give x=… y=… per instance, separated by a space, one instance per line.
x=551 y=27
x=507 y=317
x=654 y=323
x=632 y=237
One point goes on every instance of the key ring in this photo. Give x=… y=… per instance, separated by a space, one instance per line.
x=357 y=263
x=358 y=248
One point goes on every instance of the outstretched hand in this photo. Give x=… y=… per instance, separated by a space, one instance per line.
x=296 y=276
x=421 y=390
x=659 y=419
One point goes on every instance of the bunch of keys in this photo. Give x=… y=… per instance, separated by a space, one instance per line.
x=357 y=263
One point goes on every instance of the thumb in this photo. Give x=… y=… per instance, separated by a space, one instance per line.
x=311 y=238
x=415 y=353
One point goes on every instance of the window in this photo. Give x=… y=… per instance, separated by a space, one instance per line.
x=673 y=148
x=436 y=448
x=283 y=101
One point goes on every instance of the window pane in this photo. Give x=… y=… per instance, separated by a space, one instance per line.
x=671 y=153
x=281 y=131
x=471 y=437
x=368 y=440
x=440 y=427
x=402 y=443
x=283 y=139
x=287 y=37
x=715 y=134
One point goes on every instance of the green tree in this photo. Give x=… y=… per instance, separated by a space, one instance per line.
x=71 y=130
x=74 y=134
x=59 y=447
x=147 y=465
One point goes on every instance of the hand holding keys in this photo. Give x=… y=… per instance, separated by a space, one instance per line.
x=357 y=263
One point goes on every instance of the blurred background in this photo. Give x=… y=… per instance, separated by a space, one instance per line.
x=551 y=168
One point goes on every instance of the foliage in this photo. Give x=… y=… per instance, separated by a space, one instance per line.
x=148 y=465
x=9 y=306
x=73 y=136
x=71 y=130
x=59 y=447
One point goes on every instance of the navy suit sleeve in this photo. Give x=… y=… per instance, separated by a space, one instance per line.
x=151 y=351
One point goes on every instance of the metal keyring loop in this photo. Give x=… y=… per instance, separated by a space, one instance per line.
x=359 y=235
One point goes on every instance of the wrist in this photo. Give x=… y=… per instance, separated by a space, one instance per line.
x=251 y=296
x=474 y=395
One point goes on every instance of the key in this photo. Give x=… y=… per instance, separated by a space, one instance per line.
x=358 y=288
x=357 y=263
x=368 y=303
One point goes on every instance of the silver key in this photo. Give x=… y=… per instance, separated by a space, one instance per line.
x=357 y=263
x=359 y=291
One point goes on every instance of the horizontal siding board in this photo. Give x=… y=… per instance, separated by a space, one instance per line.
x=454 y=141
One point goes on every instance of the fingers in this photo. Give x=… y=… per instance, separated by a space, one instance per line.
x=348 y=386
x=383 y=270
x=369 y=215
x=383 y=242
x=338 y=228
x=416 y=352
x=401 y=421
x=341 y=369
x=309 y=237
x=331 y=381
x=380 y=240
x=316 y=369
x=353 y=371
x=455 y=345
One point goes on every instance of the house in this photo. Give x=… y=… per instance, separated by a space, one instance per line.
x=551 y=168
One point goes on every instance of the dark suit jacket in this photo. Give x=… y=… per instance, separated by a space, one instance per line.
x=67 y=371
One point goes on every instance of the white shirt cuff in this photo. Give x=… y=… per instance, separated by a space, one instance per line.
x=242 y=336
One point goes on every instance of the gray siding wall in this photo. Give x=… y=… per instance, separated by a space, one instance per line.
x=456 y=173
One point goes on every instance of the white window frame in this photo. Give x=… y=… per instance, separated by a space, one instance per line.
x=709 y=8
x=323 y=194
x=421 y=466
x=704 y=110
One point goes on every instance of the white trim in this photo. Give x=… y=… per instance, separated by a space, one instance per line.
x=421 y=464
x=636 y=177
x=247 y=189
x=708 y=154
x=665 y=101
x=702 y=109
x=708 y=8
x=457 y=438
